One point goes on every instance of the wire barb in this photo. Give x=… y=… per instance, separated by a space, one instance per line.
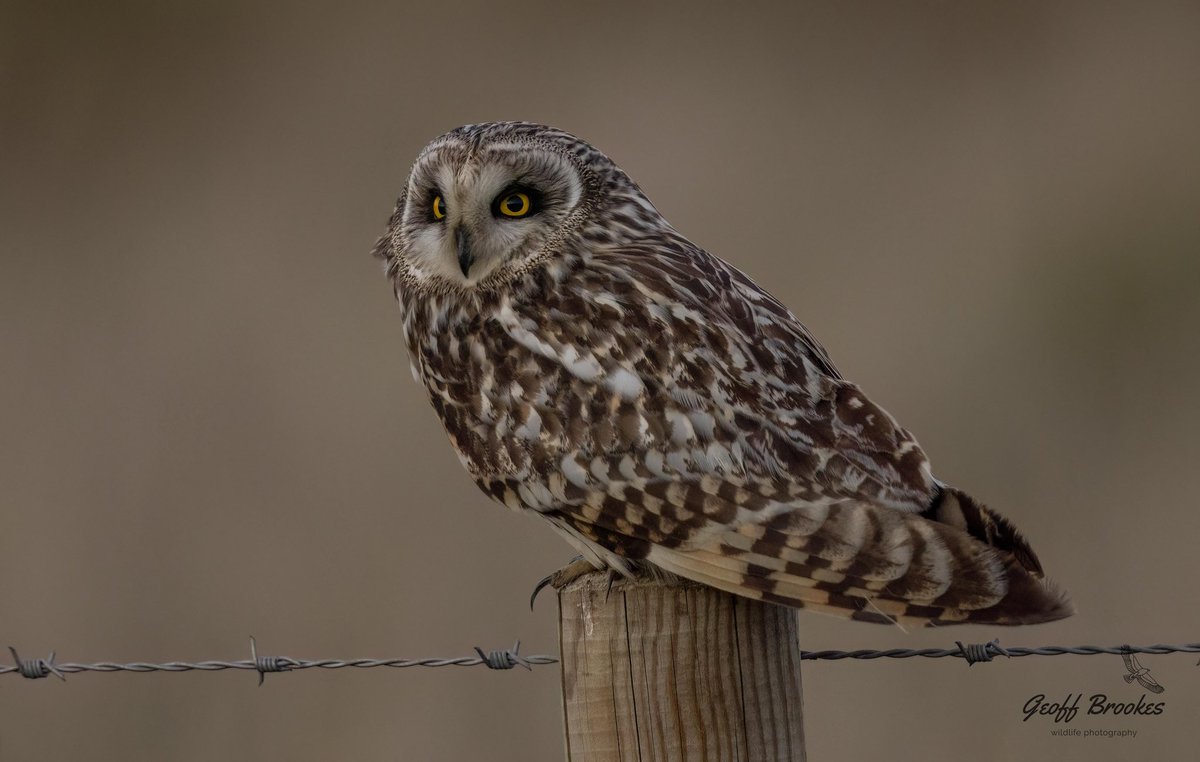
x=503 y=659
x=33 y=669
x=977 y=652
x=265 y=664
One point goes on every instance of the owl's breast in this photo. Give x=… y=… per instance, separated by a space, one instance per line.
x=458 y=360
x=521 y=386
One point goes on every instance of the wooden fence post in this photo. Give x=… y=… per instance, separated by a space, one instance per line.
x=672 y=670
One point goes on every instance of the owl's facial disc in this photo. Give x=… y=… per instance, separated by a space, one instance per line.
x=473 y=211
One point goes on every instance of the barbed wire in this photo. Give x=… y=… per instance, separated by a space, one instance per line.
x=972 y=653
x=983 y=652
x=499 y=659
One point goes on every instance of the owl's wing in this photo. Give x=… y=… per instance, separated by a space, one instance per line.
x=728 y=365
x=699 y=426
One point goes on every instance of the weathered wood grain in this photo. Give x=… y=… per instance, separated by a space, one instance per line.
x=665 y=671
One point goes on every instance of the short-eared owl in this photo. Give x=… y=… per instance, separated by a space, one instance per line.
x=594 y=367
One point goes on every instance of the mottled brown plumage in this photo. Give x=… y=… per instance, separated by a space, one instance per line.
x=594 y=367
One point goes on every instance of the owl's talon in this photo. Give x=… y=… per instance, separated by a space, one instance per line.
x=563 y=577
x=538 y=588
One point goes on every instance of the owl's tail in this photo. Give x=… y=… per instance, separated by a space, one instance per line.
x=956 y=562
x=1030 y=597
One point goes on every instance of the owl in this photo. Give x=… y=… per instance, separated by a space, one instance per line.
x=595 y=368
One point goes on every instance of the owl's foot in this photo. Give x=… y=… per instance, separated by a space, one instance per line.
x=565 y=576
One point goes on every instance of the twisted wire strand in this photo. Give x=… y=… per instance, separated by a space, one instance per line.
x=961 y=651
x=502 y=659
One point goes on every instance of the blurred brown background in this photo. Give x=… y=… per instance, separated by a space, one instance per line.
x=988 y=214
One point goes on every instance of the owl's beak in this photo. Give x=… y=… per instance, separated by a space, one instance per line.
x=463 y=240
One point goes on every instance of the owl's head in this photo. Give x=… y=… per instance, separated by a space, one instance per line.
x=487 y=202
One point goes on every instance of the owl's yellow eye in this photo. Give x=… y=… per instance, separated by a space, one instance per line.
x=515 y=205
x=439 y=208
